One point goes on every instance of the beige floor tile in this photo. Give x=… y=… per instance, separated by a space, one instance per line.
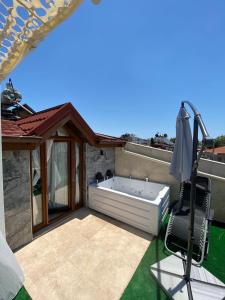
x=69 y=243
x=112 y=276
x=87 y=290
x=91 y=226
x=91 y=256
x=61 y=282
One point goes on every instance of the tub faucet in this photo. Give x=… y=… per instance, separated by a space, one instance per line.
x=130 y=176
x=146 y=179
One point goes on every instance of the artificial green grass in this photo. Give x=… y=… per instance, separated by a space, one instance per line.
x=143 y=285
x=215 y=262
x=22 y=295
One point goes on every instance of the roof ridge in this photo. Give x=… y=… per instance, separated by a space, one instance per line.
x=43 y=111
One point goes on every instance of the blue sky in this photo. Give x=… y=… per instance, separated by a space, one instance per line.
x=126 y=65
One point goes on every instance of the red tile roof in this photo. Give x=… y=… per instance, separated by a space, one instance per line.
x=39 y=123
x=107 y=138
x=10 y=128
x=30 y=123
x=218 y=150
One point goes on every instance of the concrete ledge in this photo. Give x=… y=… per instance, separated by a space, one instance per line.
x=205 y=165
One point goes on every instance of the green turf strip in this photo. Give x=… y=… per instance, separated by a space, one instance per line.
x=215 y=262
x=143 y=286
x=22 y=295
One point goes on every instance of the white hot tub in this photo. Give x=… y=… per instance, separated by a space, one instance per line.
x=138 y=203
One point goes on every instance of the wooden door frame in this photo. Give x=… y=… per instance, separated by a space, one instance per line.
x=71 y=183
x=69 y=166
x=43 y=187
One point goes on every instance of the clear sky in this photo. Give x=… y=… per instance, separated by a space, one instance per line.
x=126 y=65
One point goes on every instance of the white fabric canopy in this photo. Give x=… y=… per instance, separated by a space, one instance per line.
x=182 y=155
x=11 y=276
x=57 y=155
x=23 y=24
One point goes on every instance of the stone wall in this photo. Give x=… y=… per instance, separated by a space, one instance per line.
x=98 y=160
x=17 y=197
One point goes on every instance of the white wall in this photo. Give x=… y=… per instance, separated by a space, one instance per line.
x=2 y=213
x=205 y=165
x=141 y=161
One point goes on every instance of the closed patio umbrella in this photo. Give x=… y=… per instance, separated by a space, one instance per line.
x=181 y=164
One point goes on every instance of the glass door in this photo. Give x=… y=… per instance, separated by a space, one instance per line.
x=77 y=174
x=37 y=199
x=58 y=177
x=56 y=169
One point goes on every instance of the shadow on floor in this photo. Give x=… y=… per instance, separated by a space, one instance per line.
x=83 y=213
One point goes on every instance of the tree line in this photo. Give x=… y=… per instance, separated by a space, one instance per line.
x=130 y=137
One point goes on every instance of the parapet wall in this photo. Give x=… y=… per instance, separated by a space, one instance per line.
x=207 y=166
x=139 y=161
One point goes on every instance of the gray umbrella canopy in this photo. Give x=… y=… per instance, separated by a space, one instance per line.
x=182 y=155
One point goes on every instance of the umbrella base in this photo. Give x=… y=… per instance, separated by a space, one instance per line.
x=203 y=285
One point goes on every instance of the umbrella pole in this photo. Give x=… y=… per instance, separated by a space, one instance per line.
x=192 y=200
x=174 y=274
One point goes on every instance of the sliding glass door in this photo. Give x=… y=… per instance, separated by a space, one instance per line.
x=77 y=174
x=56 y=168
x=37 y=200
x=58 y=177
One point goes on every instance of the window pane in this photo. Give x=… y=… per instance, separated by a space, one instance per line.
x=36 y=187
x=77 y=196
x=61 y=132
x=57 y=176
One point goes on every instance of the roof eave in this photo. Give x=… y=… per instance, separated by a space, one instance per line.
x=111 y=144
x=10 y=143
x=21 y=139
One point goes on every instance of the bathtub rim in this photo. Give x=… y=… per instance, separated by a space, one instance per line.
x=162 y=193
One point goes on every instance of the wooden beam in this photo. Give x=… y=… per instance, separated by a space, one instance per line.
x=82 y=176
x=44 y=176
x=21 y=139
x=18 y=146
x=72 y=173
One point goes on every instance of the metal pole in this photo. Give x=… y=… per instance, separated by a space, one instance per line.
x=192 y=200
x=198 y=117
